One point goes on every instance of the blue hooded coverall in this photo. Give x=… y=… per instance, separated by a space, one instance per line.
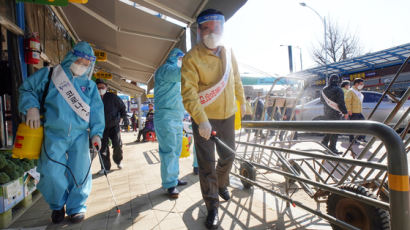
x=66 y=137
x=168 y=117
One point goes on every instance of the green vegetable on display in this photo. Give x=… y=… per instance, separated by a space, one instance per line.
x=11 y=168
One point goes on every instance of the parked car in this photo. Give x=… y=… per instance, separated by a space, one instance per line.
x=313 y=110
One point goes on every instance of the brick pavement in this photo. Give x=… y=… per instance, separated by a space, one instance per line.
x=144 y=205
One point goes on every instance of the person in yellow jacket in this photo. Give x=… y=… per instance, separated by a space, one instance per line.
x=345 y=86
x=211 y=85
x=353 y=101
x=248 y=110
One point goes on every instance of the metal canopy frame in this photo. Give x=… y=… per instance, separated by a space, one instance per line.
x=137 y=42
x=384 y=58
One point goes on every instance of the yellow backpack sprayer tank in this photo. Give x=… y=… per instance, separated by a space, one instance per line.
x=185 y=148
x=28 y=142
x=238 y=116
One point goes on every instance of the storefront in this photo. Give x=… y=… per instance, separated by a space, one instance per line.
x=10 y=72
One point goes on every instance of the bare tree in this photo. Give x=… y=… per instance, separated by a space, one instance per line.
x=341 y=45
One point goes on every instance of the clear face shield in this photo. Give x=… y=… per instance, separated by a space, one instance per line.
x=210 y=30
x=80 y=66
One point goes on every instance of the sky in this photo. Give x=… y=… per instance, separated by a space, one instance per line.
x=257 y=31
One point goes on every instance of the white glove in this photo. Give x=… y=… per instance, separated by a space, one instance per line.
x=33 y=118
x=96 y=141
x=243 y=110
x=205 y=129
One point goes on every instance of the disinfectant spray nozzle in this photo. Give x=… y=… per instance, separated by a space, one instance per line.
x=96 y=146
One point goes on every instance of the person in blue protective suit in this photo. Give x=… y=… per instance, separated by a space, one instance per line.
x=168 y=120
x=195 y=163
x=73 y=113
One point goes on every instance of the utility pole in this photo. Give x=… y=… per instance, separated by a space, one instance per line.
x=290 y=59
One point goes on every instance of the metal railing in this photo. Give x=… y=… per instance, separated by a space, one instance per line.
x=396 y=169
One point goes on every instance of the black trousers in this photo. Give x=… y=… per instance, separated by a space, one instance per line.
x=212 y=178
x=330 y=140
x=114 y=134
x=356 y=116
x=143 y=132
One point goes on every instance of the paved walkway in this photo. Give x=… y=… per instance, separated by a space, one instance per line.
x=144 y=205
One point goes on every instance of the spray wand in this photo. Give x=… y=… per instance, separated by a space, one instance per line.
x=106 y=176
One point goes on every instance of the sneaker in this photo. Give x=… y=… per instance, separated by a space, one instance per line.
x=181 y=183
x=196 y=170
x=336 y=152
x=212 y=220
x=173 y=192
x=77 y=217
x=120 y=166
x=57 y=216
x=224 y=194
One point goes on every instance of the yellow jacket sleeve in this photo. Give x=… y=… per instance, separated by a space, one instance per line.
x=189 y=91
x=239 y=94
x=348 y=100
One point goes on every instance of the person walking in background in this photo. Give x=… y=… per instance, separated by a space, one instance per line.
x=354 y=101
x=332 y=97
x=345 y=86
x=211 y=85
x=134 y=121
x=259 y=107
x=168 y=120
x=114 y=112
x=248 y=111
x=258 y=113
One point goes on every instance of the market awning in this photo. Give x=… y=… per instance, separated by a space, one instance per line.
x=137 y=42
x=371 y=61
x=264 y=80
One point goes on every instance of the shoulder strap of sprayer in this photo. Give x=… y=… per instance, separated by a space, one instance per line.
x=43 y=99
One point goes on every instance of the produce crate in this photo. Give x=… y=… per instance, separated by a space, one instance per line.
x=11 y=194
x=8 y=217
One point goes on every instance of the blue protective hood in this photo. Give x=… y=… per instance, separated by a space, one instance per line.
x=81 y=47
x=174 y=55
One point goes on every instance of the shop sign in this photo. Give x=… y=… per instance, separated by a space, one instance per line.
x=101 y=55
x=320 y=82
x=103 y=75
x=357 y=75
x=78 y=1
x=150 y=95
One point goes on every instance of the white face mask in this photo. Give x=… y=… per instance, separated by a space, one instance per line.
x=212 y=41
x=179 y=63
x=102 y=91
x=360 y=87
x=78 y=70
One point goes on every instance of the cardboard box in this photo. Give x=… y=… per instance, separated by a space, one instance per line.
x=30 y=180
x=11 y=194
